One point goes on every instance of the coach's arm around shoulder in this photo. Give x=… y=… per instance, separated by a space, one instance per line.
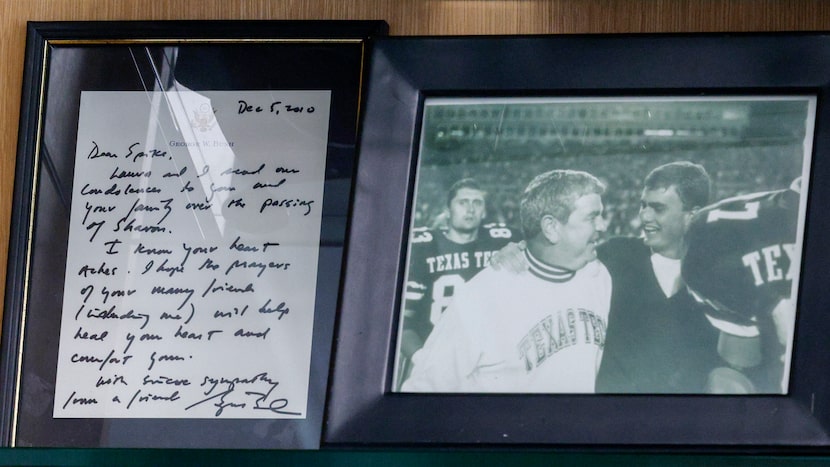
x=446 y=361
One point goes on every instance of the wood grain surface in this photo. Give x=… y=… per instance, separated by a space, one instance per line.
x=405 y=17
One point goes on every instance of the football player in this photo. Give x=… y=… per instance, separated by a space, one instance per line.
x=442 y=259
x=742 y=261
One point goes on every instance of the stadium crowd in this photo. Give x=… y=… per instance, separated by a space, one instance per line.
x=734 y=171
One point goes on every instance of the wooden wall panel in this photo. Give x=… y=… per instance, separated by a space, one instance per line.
x=405 y=17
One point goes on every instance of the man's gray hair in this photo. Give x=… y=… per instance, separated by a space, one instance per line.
x=554 y=194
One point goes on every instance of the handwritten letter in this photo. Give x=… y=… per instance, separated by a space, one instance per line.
x=192 y=259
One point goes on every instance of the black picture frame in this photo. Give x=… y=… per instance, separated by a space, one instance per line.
x=362 y=408
x=214 y=55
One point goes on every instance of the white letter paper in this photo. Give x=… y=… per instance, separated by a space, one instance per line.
x=192 y=259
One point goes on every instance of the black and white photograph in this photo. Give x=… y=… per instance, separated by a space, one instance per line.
x=638 y=245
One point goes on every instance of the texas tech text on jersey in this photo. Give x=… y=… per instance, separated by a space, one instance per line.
x=742 y=255
x=742 y=260
x=438 y=265
x=549 y=336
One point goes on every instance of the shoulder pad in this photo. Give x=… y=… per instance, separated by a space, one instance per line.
x=421 y=235
x=498 y=230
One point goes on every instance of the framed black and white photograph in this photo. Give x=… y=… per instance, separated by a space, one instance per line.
x=588 y=241
x=657 y=165
x=181 y=201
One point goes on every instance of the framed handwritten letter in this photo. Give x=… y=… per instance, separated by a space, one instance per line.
x=669 y=292
x=181 y=203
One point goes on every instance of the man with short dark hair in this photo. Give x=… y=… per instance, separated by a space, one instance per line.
x=441 y=260
x=659 y=340
x=538 y=331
